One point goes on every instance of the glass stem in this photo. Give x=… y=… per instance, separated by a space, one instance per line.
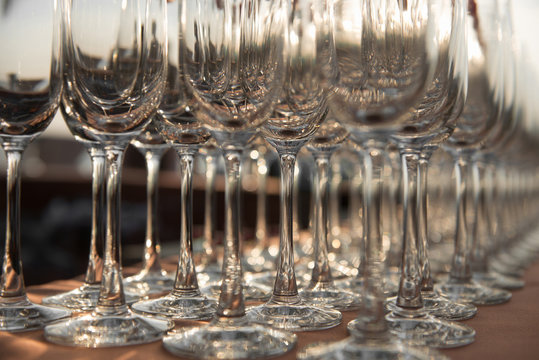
x=460 y=266
x=479 y=257
x=427 y=284
x=285 y=281
x=334 y=217
x=371 y=318
x=231 y=302
x=12 y=281
x=94 y=269
x=210 y=210
x=186 y=278
x=152 y=249
x=261 y=235
x=321 y=271
x=356 y=218
x=111 y=296
x=409 y=295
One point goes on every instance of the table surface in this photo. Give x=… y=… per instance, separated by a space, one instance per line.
x=504 y=331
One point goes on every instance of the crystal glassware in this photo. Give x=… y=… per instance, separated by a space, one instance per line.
x=179 y=128
x=480 y=123
x=232 y=59
x=30 y=88
x=321 y=290
x=301 y=108
x=84 y=298
x=114 y=56
x=152 y=278
x=431 y=121
x=381 y=64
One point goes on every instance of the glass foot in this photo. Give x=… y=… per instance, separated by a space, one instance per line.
x=355 y=285
x=294 y=315
x=351 y=348
x=329 y=295
x=148 y=283
x=21 y=314
x=232 y=338
x=440 y=307
x=84 y=298
x=427 y=330
x=251 y=292
x=207 y=277
x=95 y=330
x=499 y=281
x=193 y=307
x=473 y=292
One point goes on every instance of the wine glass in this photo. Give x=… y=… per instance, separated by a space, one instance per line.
x=152 y=278
x=481 y=122
x=179 y=128
x=384 y=57
x=232 y=59
x=444 y=98
x=114 y=69
x=209 y=270
x=30 y=89
x=321 y=290
x=430 y=122
x=301 y=108
x=84 y=298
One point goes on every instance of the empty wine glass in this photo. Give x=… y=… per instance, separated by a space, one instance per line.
x=231 y=55
x=302 y=106
x=84 y=298
x=480 y=123
x=209 y=270
x=431 y=121
x=30 y=88
x=321 y=290
x=152 y=278
x=180 y=129
x=114 y=55
x=444 y=98
x=381 y=65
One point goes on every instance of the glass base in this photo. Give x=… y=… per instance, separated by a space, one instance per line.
x=292 y=314
x=232 y=338
x=499 y=281
x=192 y=307
x=149 y=283
x=251 y=292
x=440 y=307
x=95 y=330
x=20 y=314
x=356 y=286
x=339 y=273
x=259 y=261
x=329 y=295
x=473 y=292
x=84 y=298
x=351 y=348
x=427 y=330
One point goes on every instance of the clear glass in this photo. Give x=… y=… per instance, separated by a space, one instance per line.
x=321 y=290
x=30 y=89
x=233 y=63
x=490 y=94
x=392 y=40
x=179 y=128
x=152 y=278
x=113 y=85
x=84 y=298
x=302 y=106
x=209 y=270
x=431 y=121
